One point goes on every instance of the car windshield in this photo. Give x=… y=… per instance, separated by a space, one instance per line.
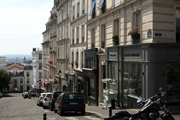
x=56 y=94
x=73 y=96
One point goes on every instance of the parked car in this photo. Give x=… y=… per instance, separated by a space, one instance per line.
x=32 y=93
x=70 y=102
x=53 y=99
x=25 y=95
x=46 y=100
x=40 y=99
x=1 y=95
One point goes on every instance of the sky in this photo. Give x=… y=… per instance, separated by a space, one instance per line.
x=22 y=23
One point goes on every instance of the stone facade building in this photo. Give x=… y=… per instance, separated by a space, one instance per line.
x=2 y=62
x=124 y=42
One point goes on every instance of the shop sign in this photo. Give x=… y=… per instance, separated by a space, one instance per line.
x=112 y=55
x=132 y=54
x=149 y=33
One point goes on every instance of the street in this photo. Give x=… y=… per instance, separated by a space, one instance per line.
x=15 y=107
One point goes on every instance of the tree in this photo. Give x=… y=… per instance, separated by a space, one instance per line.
x=4 y=79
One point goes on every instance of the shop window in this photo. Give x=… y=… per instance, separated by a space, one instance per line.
x=91 y=87
x=132 y=80
x=178 y=25
x=173 y=83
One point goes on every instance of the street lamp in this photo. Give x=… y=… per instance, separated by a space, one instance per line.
x=59 y=73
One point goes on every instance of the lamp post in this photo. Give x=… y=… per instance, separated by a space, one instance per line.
x=59 y=73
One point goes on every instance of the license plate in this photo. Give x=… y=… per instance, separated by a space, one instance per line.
x=73 y=103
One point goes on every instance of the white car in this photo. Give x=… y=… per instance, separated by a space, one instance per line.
x=40 y=99
x=47 y=100
x=1 y=95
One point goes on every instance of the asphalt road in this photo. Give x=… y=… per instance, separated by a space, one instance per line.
x=14 y=107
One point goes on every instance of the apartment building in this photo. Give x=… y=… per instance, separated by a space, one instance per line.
x=37 y=68
x=21 y=77
x=63 y=8
x=78 y=44
x=134 y=33
x=2 y=62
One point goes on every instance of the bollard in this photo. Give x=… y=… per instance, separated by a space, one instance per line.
x=44 y=116
x=110 y=111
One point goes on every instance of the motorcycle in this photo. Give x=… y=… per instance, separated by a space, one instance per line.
x=151 y=109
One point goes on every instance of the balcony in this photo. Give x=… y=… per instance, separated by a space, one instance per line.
x=103 y=44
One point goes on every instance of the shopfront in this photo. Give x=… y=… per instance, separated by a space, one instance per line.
x=142 y=69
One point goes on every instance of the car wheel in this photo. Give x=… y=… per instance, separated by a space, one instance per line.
x=61 y=112
x=83 y=112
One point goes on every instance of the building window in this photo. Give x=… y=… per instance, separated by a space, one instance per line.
x=116 y=3
x=116 y=27
x=40 y=56
x=72 y=63
x=72 y=36
x=40 y=65
x=67 y=31
x=27 y=80
x=178 y=24
x=92 y=87
x=78 y=10
x=82 y=33
x=62 y=13
x=82 y=61
x=103 y=36
x=27 y=74
x=93 y=11
x=77 y=35
x=21 y=80
x=40 y=74
x=83 y=6
x=77 y=59
x=132 y=79
x=92 y=38
x=102 y=6
x=73 y=12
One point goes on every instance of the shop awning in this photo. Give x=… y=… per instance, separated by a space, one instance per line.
x=101 y=4
x=92 y=7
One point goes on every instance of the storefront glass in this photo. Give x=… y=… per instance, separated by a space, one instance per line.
x=92 y=88
x=113 y=74
x=173 y=82
x=132 y=80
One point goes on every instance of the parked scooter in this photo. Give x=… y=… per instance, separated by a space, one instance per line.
x=151 y=109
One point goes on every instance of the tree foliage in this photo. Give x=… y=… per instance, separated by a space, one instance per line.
x=4 y=79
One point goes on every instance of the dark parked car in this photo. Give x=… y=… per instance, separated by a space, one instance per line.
x=70 y=102
x=53 y=99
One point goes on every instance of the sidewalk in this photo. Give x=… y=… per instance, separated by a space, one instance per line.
x=103 y=113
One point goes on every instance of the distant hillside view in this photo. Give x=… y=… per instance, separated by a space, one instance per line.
x=18 y=58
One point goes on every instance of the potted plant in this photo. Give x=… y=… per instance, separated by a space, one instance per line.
x=135 y=34
x=115 y=40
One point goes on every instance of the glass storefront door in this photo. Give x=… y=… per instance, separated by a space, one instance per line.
x=132 y=81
